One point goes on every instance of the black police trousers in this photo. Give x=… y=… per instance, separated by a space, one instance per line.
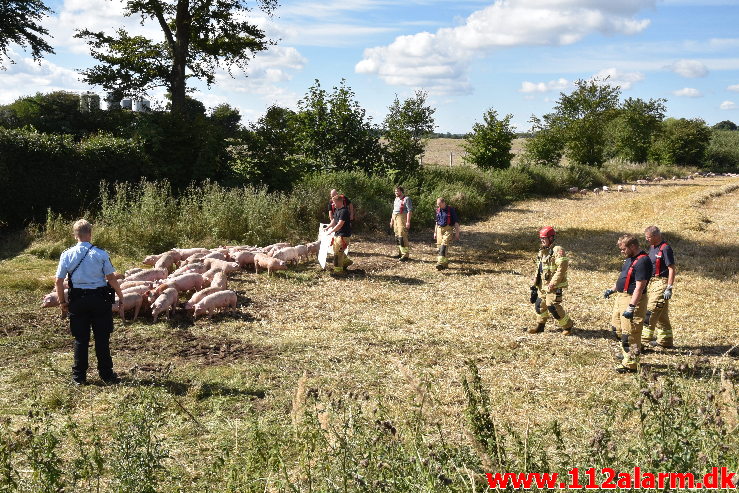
x=91 y=311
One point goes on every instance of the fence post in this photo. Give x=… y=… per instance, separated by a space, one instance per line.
x=450 y=159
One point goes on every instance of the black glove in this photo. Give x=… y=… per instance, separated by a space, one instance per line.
x=607 y=293
x=534 y=294
x=629 y=313
x=668 y=293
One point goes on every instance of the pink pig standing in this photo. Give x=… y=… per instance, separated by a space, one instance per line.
x=148 y=275
x=51 y=299
x=165 y=302
x=215 y=301
x=199 y=295
x=269 y=263
x=130 y=301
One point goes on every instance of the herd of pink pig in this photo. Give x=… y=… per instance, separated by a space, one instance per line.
x=198 y=272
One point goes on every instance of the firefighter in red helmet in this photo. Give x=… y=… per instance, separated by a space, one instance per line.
x=549 y=283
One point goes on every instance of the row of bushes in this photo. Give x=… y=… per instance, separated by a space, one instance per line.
x=150 y=217
x=343 y=444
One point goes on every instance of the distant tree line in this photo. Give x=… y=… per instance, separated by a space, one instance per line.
x=591 y=125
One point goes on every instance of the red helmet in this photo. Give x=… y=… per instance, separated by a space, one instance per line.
x=546 y=232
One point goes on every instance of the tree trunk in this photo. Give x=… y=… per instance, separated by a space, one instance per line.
x=179 y=62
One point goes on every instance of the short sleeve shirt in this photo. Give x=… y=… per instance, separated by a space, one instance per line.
x=401 y=206
x=666 y=258
x=642 y=272
x=92 y=269
x=446 y=217
x=343 y=215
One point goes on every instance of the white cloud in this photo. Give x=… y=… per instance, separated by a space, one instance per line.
x=43 y=76
x=439 y=60
x=553 y=85
x=734 y=88
x=728 y=105
x=615 y=77
x=688 y=92
x=264 y=74
x=689 y=69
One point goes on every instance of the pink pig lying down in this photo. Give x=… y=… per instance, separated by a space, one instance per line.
x=199 y=295
x=188 y=252
x=148 y=275
x=216 y=255
x=219 y=280
x=269 y=263
x=222 y=264
x=165 y=302
x=51 y=299
x=215 y=301
x=130 y=301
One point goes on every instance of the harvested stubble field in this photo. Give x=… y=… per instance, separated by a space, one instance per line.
x=396 y=338
x=438 y=150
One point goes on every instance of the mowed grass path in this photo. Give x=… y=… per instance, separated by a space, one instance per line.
x=402 y=332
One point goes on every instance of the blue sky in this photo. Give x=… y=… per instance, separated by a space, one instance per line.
x=514 y=56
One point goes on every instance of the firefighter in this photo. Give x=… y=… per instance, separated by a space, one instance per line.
x=331 y=208
x=631 y=303
x=447 y=224
x=340 y=226
x=550 y=280
x=400 y=222
x=659 y=292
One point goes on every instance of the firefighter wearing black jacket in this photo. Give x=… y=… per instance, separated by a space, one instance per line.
x=631 y=302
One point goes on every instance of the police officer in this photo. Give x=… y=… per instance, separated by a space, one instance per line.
x=341 y=228
x=400 y=222
x=447 y=224
x=631 y=303
x=550 y=280
x=657 y=320
x=88 y=268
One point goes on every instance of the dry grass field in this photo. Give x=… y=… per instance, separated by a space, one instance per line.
x=438 y=150
x=398 y=334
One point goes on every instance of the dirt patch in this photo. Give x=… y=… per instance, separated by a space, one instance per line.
x=184 y=346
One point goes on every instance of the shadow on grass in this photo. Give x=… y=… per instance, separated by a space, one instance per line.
x=12 y=243
x=408 y=281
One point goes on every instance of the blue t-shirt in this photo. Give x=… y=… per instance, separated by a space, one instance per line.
x=642 y=272
x=446 y=217
x=666 y=258
x=92 y=269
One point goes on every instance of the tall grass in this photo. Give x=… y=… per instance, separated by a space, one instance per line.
x=146 y=217
x=353 y=443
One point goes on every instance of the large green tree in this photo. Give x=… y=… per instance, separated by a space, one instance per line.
x=681 y=141
x=198 y=36
x=407 y=126
x=489 y=145
x=583 y=117
x=21 y=24
x=334 y=132
x=635 y=127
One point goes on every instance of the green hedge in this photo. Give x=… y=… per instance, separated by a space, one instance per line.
x=145 y=217
x=42 y=171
